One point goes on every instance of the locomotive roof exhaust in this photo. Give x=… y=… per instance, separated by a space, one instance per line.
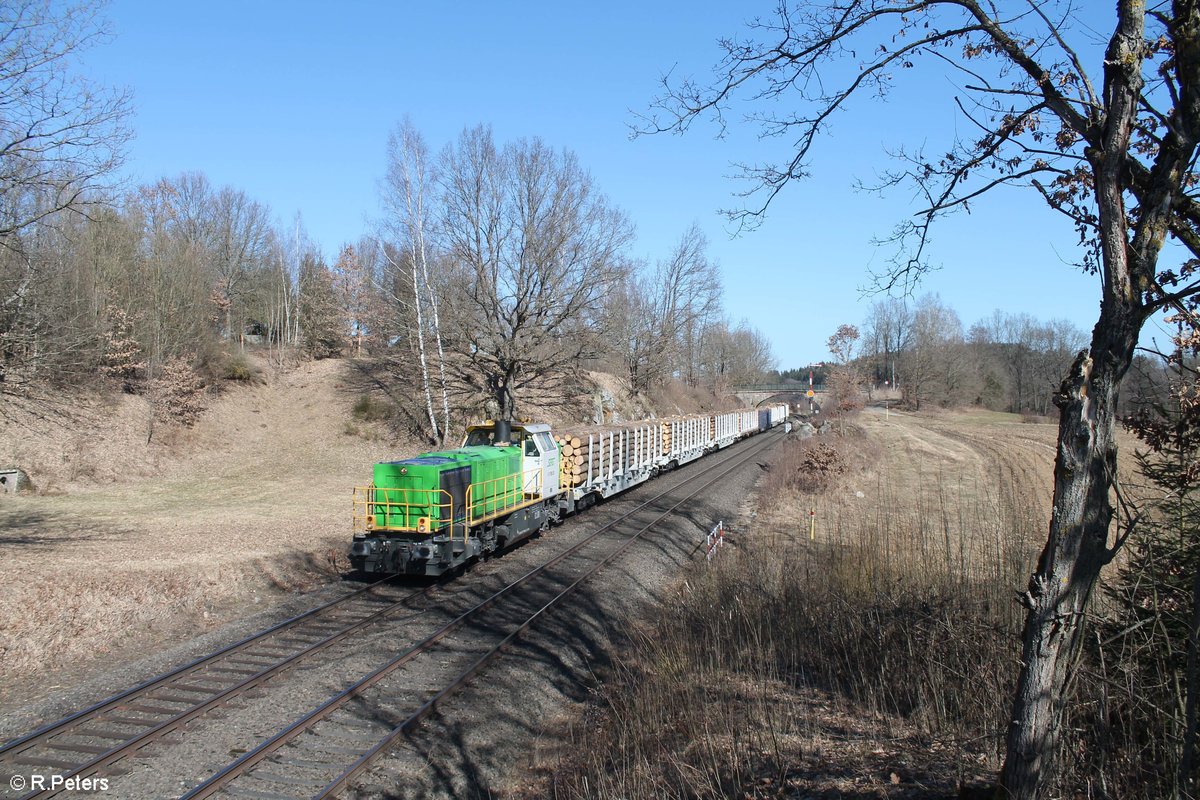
x=503 y=431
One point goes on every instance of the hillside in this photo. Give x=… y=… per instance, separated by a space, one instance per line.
x=127 y=539
x=128 y=542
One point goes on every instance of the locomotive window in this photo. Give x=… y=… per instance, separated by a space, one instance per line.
x=545 y=442
x=531 y=447
x=480 y=438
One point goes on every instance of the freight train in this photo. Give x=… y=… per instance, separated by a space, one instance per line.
x=437 y=512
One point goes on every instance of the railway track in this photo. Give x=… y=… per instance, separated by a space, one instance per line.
x=342 y=742
x=342 y=745
x=89 y=740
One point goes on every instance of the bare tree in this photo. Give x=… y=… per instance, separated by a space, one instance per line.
x=887 y=330
x=633 y=331
x=60 y=137
x=733 y=356
x=409 y=198
x=536 y=249
x=932 y=367
x=686 y=289
x=169 y=283
x=1111 y=147
x=843 y=343
x=658 y=314
x=241 y=243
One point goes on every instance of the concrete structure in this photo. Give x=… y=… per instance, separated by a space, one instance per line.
x=794 y=394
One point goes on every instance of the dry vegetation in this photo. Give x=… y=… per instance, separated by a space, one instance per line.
x=874 y=660
x=127 y=541
x=132 y=540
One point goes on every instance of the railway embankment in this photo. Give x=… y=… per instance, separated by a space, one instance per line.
x=141 y=537
x=537 y=678
x=850 y=636
x=858 y=639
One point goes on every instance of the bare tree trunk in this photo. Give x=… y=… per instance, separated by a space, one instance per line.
x=441 y=352
x=1076 y=549
x=437 y=336
x=433 y=423
x=1085 y=468
x=409 y=180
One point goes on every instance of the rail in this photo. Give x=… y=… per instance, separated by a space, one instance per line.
x=272 y=783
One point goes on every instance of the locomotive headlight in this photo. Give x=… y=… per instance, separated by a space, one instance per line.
x=422 y=524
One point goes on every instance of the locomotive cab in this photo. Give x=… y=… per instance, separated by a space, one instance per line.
x=540 y=453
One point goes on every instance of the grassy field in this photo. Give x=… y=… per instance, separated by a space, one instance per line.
x=874 y=659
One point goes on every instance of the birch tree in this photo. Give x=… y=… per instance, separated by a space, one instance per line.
x=1107 y=139
x=409 y=198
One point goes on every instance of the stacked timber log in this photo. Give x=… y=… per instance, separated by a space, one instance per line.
x=606 y=450
x=572 y=463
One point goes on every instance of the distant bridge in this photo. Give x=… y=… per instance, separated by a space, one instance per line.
x=793 y=393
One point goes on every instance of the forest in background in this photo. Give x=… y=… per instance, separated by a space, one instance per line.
x=466 y=304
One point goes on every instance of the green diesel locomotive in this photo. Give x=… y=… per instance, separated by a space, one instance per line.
x=436 y=512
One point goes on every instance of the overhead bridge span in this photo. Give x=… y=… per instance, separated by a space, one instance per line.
x=795 y=394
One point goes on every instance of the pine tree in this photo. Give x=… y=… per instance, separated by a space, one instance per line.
x=1158 y=588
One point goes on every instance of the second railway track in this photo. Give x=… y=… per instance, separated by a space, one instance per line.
x=102 y=734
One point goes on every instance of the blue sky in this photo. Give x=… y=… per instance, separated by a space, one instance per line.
x=292 y=103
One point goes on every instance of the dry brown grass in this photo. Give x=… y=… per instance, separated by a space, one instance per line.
x=137 y=541
x=134 y=541
x=875 y=659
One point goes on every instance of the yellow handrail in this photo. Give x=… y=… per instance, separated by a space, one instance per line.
x=497 y=496
x=416 y=508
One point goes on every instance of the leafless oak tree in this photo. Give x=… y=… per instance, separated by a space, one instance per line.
x=1108 y=139
x=535 y=248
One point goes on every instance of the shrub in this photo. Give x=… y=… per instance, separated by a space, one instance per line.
x=238 y=368
x=178 y=393
x=371 y=409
